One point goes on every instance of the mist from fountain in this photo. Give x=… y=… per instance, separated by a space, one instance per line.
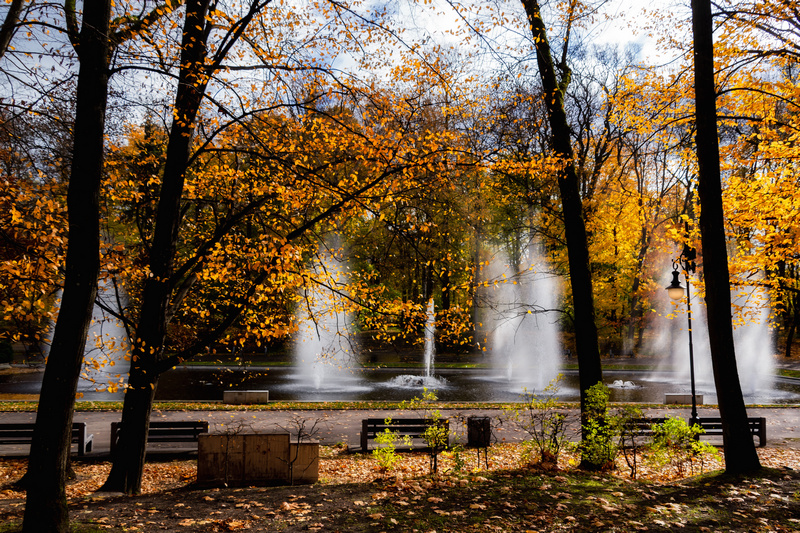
x=324 y=351
x=524 y=343
x=752 y=337
x=430 y=336
x=754 y=341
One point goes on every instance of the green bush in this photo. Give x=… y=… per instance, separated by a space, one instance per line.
x=676 y=443
x=546 y=425
x=599 y=446
x=437 y=435
x=386 y=452
x=630 y=436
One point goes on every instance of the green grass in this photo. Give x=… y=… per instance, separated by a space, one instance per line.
x=85 y=406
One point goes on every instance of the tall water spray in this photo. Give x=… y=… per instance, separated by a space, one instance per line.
x=430 y=339
x=524 y=342
x=428 y=380
x=752 y=338
x=324 y=351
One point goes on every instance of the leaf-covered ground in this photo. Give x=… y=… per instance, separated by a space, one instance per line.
x=353 y=495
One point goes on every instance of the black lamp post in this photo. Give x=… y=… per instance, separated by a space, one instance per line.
x=685 y=262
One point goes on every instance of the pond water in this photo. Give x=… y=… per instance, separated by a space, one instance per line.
x=200 y=383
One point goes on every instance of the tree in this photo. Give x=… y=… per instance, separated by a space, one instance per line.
x=554 y=89
x=245 y=201
x=740 y=453
x=10 y=24
x=46 y=506
x=197 y=64
x=92 y=40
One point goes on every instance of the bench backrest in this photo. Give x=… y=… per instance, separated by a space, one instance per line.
x=166 y=431
x=22 y=433
x=410 y=427
x=25 y=429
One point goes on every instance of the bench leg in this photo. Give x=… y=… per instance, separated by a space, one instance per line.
x=364 y=439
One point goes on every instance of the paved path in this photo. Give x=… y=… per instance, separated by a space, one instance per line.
x=344 y=426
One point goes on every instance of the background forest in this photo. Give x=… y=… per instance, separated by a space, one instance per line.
x=396 y=152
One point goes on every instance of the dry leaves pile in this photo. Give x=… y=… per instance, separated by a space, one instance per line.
x=90 y=477
x=337 y=467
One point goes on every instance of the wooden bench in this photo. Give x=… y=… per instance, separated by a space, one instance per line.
x=635 y=428
x=166 y=431
x=713 y=426
x=22 y=433
x=413 y=428
x=642 y=427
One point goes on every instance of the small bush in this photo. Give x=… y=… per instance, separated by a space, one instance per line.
x=630 y=436
x=544 y=423
x=386 y=452
x=437 y=435
x=598 y=447
x=676 y=443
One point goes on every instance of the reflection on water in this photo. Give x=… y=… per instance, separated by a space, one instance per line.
x=467 y=385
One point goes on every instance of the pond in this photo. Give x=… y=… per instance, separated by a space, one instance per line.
x=203 y=383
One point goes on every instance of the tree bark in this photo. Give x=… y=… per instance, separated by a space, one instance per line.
x=9 y=27
x=589 y=368
x=794 y=301
x=740 y=452
x=128 y=462
x=46 y=506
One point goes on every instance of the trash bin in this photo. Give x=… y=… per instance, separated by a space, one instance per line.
x=479 y=431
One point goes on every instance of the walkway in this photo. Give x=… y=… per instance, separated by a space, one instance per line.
x=344 y=426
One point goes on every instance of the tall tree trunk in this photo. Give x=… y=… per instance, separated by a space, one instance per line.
x=128 y=462
x=9 y=27
x=589 y=368
x=740 y=452
x=46 y=503
x=794 y=301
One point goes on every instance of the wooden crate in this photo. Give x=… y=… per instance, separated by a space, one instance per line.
x=255 y=458
x=305 y=468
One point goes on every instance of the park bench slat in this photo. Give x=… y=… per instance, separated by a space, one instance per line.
x=405 y=427
x=161 y=431
x=712 y=426
x=22 y=433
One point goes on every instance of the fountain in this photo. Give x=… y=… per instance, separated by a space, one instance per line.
x=752 y=337
x=324 y=352
x=754 y=343
x=524 y=343
x=430 y=335
x=428 y=380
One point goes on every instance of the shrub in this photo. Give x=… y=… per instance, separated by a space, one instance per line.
x=599 y=446
x=544 y=423
x=386 y=452
x=437 y=435
x=677 y=443
x=630 y=441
